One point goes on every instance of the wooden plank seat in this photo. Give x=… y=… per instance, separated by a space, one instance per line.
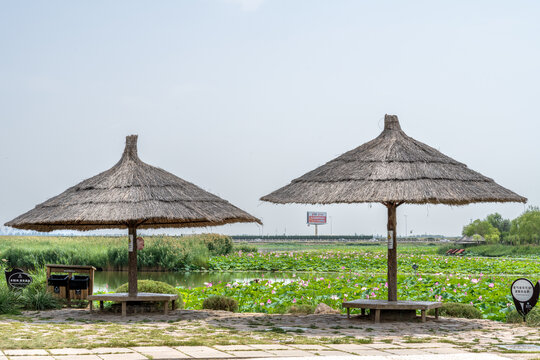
x=124 y=298
x=378 y=305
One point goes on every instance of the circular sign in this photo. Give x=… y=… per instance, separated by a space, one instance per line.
x=522 y=290
x=19 y=280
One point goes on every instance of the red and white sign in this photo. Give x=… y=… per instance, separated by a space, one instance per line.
x=316 y=218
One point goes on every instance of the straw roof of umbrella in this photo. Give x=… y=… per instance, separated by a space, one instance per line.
x=393 y=167
x=131 y=194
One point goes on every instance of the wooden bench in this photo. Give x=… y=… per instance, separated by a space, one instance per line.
x=379 y=305
x=124 y=298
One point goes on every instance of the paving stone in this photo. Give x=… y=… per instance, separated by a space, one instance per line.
x=128 y=356
x=32 y=357
x=369 y=352
x=384 y=346
x=251 y=354
x=111 y=350
x=26 y=352
x=77 y=356
x=349 y=347
x=160 y=352
x=427 y=345
x=70 y=351
x=309 y=347
x=270 y=347
x=445 y=350
x=202 y=352
x=330 y=353
x=233 y=347
x=290 y=353
x=407 y=351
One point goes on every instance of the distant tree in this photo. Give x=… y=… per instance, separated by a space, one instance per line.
x=525 y=229
x=497 y=221
x=484 y=229
x=503 y=225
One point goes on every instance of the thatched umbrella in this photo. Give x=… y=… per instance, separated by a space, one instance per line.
x=131 y=195
x=393 y=169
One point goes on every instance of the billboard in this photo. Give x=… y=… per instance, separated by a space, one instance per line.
x=316 y=218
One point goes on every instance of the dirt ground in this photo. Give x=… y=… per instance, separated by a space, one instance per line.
x=80 y=328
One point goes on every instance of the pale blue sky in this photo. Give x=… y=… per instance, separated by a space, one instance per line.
x=242 y=96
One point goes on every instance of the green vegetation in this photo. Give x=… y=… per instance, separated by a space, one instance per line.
x=498 y=250
x=301 y=309
x=525 y=229
x=533 y=318
x=372 y=260
x=458 y=310
x=220 y=302
x=33 y=297
x=487 y=293
x=161 y=252
x=152 y=286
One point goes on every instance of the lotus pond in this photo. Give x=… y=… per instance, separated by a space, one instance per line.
x=284 y=279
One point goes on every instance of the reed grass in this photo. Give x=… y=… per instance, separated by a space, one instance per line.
x=180 y=253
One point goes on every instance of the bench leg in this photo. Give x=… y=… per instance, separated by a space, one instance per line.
x=166 y=307
x=348 y=313
x=436 y=313
x=363 y=311
x=173 y=304
x=377 y=315
x=101 y=305
x=91 y=304
x=423 y=315
x=124 y=309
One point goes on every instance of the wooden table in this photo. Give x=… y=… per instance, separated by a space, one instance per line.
x=379 y=305
x=124 y=298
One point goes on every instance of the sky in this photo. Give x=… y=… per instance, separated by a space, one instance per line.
x=242 y=96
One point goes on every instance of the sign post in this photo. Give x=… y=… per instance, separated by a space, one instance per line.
x=525 y=295
x=316 y=218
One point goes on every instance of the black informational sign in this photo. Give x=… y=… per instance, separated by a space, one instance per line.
x=18 y=279
x=525 y=295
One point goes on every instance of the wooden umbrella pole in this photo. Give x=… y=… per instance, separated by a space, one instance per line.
x=392 y=251
x=132 y=261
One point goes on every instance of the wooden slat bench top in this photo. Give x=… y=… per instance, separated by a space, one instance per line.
x=392 y=305
x=121 y=297
x=380 y=305
x=69 y=267
x=124 y=298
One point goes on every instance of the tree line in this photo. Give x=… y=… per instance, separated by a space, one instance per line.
x=525 y=229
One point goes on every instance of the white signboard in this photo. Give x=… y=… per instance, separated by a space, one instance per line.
x=522 y=290
x=316 y=218
x=390 y=239
x=130 y=247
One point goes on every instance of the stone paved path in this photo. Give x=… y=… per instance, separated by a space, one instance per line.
x=375 y=351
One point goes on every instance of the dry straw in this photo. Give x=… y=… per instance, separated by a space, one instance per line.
x=393 y=168
x=131 y=194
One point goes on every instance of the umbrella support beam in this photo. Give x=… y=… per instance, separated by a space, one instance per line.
x=392 y=251
x=132 y=269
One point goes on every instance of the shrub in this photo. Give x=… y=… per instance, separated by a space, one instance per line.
x=217 y=244
x=220 y=302
x=458 y=310
x=533 y=318
x=35 y=298
x=8 y=301
x=247 y=248
x=301 y=309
